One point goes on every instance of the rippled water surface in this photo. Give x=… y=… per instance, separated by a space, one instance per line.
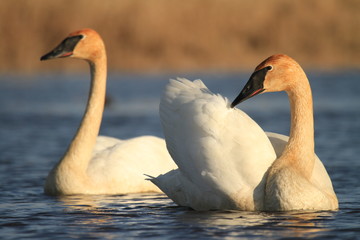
x=39 y=115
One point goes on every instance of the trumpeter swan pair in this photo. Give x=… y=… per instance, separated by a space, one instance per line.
x=226 y=161
x=102 y=165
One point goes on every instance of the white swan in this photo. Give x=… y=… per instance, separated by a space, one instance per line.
x=296 y=180
x=102 y=165
x=223 y=155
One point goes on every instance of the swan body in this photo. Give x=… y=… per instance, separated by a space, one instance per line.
x=222 y=154
x=102 y=165
x=319 y=177
x=226 y=161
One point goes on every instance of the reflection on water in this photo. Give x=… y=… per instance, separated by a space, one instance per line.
x=303 y=224
x=91 y=212
x=154 y=213
x=292 y=224
x=38 y=119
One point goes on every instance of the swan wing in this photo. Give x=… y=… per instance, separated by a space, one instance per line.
x=219 y=149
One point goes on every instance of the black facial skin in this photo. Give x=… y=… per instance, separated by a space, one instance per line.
x=253 y=87
x=64 y=49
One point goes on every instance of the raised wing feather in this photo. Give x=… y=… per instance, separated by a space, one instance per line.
x=220 y=150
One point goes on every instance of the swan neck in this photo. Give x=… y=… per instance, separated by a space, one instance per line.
x=300 y=148
x=80 y=150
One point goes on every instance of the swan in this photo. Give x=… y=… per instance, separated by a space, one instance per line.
x=223 y=156
x=295 y=180
x=102 y=165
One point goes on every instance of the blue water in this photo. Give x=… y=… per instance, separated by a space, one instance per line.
x=39 y=115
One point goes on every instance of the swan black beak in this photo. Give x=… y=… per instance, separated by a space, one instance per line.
x=253 y=87
x=64 y=49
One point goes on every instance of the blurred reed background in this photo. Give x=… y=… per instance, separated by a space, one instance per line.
x=189 y=35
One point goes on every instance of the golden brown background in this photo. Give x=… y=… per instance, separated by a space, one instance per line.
x=187 y=35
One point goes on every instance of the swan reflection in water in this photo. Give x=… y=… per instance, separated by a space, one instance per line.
x=247 y=223
x=113 y=214
x=108 y=216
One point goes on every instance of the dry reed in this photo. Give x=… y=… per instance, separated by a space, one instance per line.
x=157 y=35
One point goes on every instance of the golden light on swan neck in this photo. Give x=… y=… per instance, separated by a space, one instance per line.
x=70 y=173
x=287 y=75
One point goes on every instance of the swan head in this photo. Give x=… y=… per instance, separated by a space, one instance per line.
x=83 y=44
x=276 y=73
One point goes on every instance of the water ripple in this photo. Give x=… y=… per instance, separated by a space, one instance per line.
x=37 y=125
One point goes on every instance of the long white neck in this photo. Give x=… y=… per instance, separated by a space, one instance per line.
x=300 y=148
x=80 y=150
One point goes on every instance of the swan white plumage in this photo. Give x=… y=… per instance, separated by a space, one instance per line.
x=102 y=165
x=213 y=146
x=224 y=156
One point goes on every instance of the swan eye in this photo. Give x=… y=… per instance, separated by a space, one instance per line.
x=269 y=68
